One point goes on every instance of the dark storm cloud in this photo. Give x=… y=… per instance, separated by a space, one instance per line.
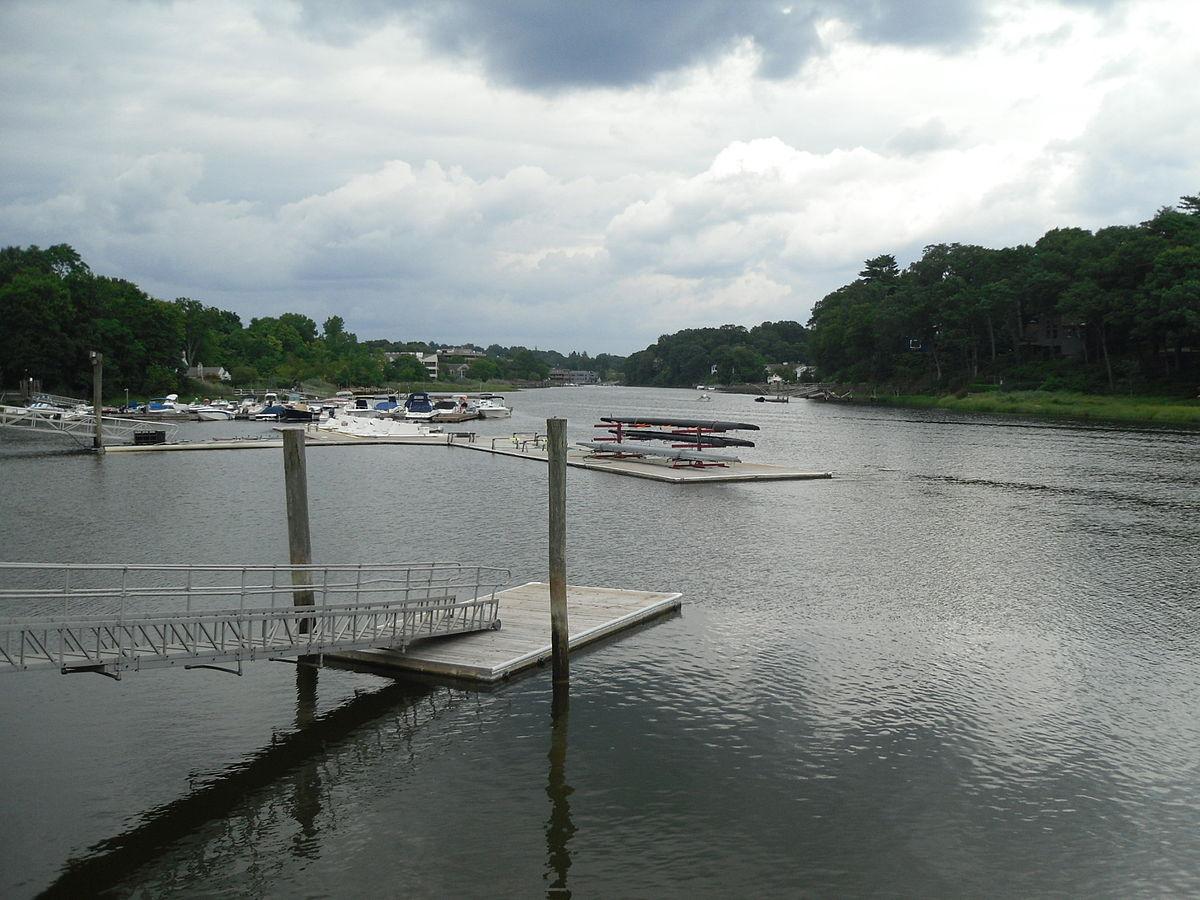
x=551 y=44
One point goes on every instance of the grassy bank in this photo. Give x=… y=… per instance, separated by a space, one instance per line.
x=1061 y=404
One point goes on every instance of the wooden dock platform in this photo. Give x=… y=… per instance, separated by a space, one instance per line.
x=312 y=438
x=523 y=640
x=658 y=469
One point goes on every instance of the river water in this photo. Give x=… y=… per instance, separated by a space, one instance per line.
x=969 y=664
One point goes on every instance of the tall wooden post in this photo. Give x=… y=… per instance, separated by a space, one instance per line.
x=97 y=403
x=556 y=450
x=295 y=476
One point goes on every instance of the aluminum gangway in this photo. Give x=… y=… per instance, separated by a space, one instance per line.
x=79 y=424
x=113 y=618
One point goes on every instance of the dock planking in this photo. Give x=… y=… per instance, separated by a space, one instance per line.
x=523 y=640
x=660 y=470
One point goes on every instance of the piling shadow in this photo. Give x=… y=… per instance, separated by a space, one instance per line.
x=108 y=864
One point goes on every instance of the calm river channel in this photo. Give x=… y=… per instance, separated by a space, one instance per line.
x=968 y=665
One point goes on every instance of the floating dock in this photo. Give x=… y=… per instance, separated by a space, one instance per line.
x=312 y=438
x=523 y=641
x=655 y=469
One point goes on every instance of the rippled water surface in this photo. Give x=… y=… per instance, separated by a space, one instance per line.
x=967 y=665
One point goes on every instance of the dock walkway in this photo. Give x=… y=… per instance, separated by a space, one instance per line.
x=523 y=639
x=656 y=470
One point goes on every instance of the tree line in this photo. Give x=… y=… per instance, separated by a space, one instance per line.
x=1114 y=308
x=55 y=310
x=727 y=355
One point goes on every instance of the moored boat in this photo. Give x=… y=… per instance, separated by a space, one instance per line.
x=418 y=406
x=491 y=406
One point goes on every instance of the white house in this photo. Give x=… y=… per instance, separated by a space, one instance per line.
x=209 y=373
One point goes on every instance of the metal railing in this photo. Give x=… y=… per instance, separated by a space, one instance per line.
x=80 y=426
x=116 y=618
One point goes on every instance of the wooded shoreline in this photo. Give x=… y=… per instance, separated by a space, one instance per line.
x=1115 y=408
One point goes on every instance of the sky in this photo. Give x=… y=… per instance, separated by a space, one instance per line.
x=570 y=175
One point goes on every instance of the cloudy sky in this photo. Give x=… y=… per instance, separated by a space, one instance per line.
x=576 y=175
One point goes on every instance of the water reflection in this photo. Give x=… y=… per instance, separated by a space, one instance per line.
x=299 y=754
x=559 y=827
x=306 y=787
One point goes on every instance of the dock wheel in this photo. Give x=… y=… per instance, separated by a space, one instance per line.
x=496 y=625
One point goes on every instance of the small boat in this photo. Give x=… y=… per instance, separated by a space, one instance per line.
x=418 y=406
x=704 y=397
x=206 y=412
x=298 y=412
x=454 y=410
x=375 y=426
x=770 y=399
x=166 y=406
x=491 y=406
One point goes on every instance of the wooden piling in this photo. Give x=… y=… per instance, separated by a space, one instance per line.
x=97 y=404
x=556 y=450
x=295 y=476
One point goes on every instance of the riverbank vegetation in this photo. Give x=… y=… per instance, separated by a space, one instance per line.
x=727 y=355
x=55 y=310
x=1116 y=310
x=1058 y=405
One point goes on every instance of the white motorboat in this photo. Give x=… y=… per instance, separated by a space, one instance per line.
x=375 y=426
x=167 y=407
x=491 y=406
x=419 y=406
x=212 y=413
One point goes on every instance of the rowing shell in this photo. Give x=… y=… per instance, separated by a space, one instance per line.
x=706 y=424
x=700 y=440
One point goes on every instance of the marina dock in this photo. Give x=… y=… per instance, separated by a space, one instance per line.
x=312 y=438
x=654 y=469
x=523 y=640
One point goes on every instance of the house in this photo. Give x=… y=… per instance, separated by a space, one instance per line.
x=209 y=373
x=463 y=352
x=1051 y=336
x=559 y=376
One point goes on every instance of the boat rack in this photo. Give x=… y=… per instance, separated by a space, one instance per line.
x=690 y=440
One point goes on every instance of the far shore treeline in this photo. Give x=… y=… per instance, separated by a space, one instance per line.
x=1117 y=309
x=1113 y=310
x=54 y=310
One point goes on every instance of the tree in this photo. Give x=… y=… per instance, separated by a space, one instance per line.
x=483 y=369
x=36 y=308
x=406 y=368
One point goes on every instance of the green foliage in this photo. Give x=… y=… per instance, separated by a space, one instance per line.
x=1060 y=404
x=1123 y=304
x=483 y=369
x=740 y=354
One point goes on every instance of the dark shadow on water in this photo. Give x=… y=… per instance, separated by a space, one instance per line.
x=559 y=827
x=306 y=792
x=298 y=754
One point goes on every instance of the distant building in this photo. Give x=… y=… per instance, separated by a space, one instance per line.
x=464 y=352
x=1053 y=337
x=561 y=377
x=209 y=373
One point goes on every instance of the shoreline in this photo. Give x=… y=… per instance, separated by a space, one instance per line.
x=1073 y=406
x=1055 y=405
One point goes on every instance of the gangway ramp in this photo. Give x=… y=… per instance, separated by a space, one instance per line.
x=113 y=619
x=79 y=426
